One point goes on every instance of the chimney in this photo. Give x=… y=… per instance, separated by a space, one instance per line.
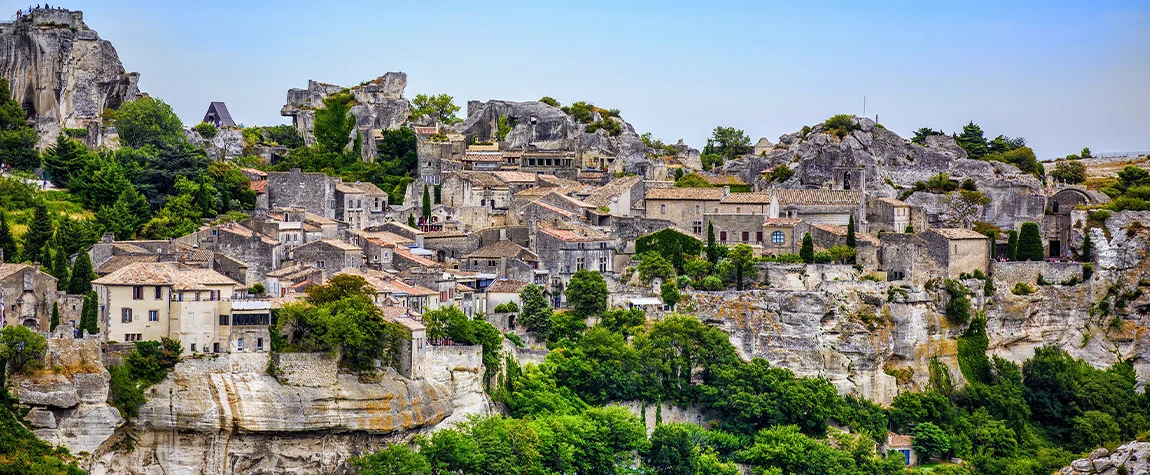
x=726 y=191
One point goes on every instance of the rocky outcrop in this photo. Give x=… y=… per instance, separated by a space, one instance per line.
x=61 y=72
x=379 y=104
x=892 y=165
x=228 y=143
x=247 y=422
x=1133 y=457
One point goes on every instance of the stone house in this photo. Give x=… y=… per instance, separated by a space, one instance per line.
x=893 y=216
x=505 y=259
x=313 y=192
x=560 y=163
x=618 y=197
x=246 y=329
x=391 y=290
x=732 y=229
x=449 y=246
x=289 y=233
x=329 y=256
x=900 y=256
x=413 y=351
x=280 y=281
x=1058 y=222
x=505 y=291
x=218 y=115
x=686 y=206
x=782 y=236
x=957 y=251
x=826 y=236
x=565 y=250
x=360 y=204
x=406 y=258
x=903 y=444
x=151 y=300
x=762 y=147
x=314 y=226
x=539 y=211
x=261 y=253
x=26 y=296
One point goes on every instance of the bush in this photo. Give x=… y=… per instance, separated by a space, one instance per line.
x=126 y=393
x=21 y=348
x=780 y=174
x=550 y=101
x=840 y=125
x=1030 y=243
x=206 y=130
x=1022 y=288
x=509 y=307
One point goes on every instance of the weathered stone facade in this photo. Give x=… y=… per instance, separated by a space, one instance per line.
x=28 y=295
x=312 y=370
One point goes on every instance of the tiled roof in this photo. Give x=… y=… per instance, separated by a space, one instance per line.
x=444 y=234
x=334 y=243
x=818 y=197
x=287 y=270
x=122 y=260
x=602 y=196
x=128 y=247
x=500 y=249
x=367 y=188
x=165 y=273
x=958 y=233
x=258 y=186
x=782 y=222
x=721 y=180
x=578 y=234
x=897 y=440
x=484 y=179
x=253 y=171
x=892 y=201
x=839 y=230
x=552 y=180
x=758 y=197
x=406 y=254
x=538 y=191
x=507 y=286
x=675 y=193
x=239 y=230
x=9 y=269
x=470 y=156
x=425 y=130
x=515 y=177
x=553 y=208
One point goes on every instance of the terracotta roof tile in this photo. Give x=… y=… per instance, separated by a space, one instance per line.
x=782 y=222
x=818 y=197
x=957 y=233
x=675 y=193
x=507 y=286
x=758 y=197
x=500 y=249
x=165 y=273
x=602 y=196
x=579 y=234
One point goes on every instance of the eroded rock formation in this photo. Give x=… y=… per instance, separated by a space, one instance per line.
x=1132 y=458
x=61 y=72
x=379 y=105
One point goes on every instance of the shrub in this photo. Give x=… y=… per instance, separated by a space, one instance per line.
x=1087 y=271
x=76 y=133
x=509 y=307
x=514 y=339
x=206 y=130
x=780 y=174
x=126 y=393
x=21 y=348
x=550 y=101
x=840 y=125
x=1022 y=288
x=1030 y=243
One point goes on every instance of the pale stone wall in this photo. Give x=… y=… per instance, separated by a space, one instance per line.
x=666 y=412
x=1028 y=272
x=313 y=370
x=805 y=276
x=225 y=363
x=683 y=212
x=460 y=369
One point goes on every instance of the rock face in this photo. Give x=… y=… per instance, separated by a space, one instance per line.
x=61 y=72
x=1135 y=457
x=231 y=422
x=225 y=145
x=379 y=105
x=891 y=165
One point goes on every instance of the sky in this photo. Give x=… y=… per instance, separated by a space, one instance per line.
x=1064 y=75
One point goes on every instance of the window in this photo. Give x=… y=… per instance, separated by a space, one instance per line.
x=697 y=227
x=662 y=209
x=126 y=315
x=259 y=344
x=138 y=292
x=602 y=264
x=698 y=210
x=777 y=237
x=1054 y=207
x=738 y=210
x=846 y=180
x=758 y=236
x=491 y=263
x=153 y=315
x=215 y=347
x=133 y=337
x=319 y=264
x=746 y=236
x=254 y=319
x=197 y=296
x=239 y=345
x=193 y=347
x=159 y=292
x=722 y=236
x=578 y=263
x=223 y=319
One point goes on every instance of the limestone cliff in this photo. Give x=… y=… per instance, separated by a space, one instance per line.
x=1132 y=458
x=379 y=104
x=61 y=72
x=890 y=166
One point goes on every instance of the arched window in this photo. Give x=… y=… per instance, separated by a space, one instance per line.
x=778 y=237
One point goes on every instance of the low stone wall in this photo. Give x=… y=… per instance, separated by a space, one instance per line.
x=804 y=276
x=665 y=413
x=1028 y=272
x=313 y=370
x=225 y=363
x=530 y=355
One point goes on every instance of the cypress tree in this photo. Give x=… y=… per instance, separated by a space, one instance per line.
x=411 y=220
x=1012 y=245
x=712 y=247
x=993 y=243
x=1030 y=243
x=7 y=242
x=426 y=201
x=82 y=275
x=59 y=267
x=55 y=316
x=38 y=235
x=1087 y=253
x=807 y=252
x=88 y=314
x=851 y=241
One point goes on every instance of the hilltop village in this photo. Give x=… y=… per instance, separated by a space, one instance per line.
x=222 y=298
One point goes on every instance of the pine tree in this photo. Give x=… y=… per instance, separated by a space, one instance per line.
x=1030 y=243
x=851 y=240
x=55 y=316
x=712 y=247
x=88 y=321
x=909 y=229
x=7 y=242
x=38 y=235
x=807 y=252
x=59 y=266
x=82 y=275
x=426 y=202
x=1012 y=245
x=66 y=159
x=972 y=140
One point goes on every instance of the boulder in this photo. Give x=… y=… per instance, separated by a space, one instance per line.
x=1132 y=456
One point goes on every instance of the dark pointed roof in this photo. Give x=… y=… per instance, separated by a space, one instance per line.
x=223 y=117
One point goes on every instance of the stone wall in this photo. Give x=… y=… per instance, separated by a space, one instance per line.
x=666 y=413
x=225 y=363
x=312 y=370
x=1028 y=272
x=804 y=276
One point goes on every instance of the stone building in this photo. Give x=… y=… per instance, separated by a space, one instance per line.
x=313 y=192
x=246 y=329
x=732 y=229
x=413 y=351
x=957 y=251
x=260 y=253
x=560 y=163
x=888 y=215
x=762 y=147
x=901 y=257
x=782 y=236
x=150 y=300
x=826 y=236
x=329 y=256
x=449 y=246
x=281 y=281
x=618 y=197
x=360 y=204
x=567 y=249
x=505 y=259
x=1058 y=222
x=685 y=206
x=26 y=296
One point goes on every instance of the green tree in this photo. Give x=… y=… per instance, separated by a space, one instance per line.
x=394 y=460
x=411 y=220
x=1085 y=255
x=743 y=260
x=1094 y=429
x=921 y=134
x=929 y=441
x=7 y=242
x=972 y=140
x=536 y=314
x=21 y=348
x=439 y=107
x=17 y=139
x=728 y=142
x=88 y=320
x=82 y=275
x=851 y=239
x=1086 y=153
x=693 y=180
x=670 y=293
x=807 y=251
x=1069 y=171
x=550 y=101
x=39 y=234
x=334 y=123
x=1012 y=245
x=993 y=237
x=1030 y=243
x=426 y=202
x=65 y=159
x=672 y=451
x=652 y=265
x=148 y=121
x=587 y=293
x=58 y=265
x=712 y=246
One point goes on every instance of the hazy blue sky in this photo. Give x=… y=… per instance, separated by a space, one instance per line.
x=1062 y=74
